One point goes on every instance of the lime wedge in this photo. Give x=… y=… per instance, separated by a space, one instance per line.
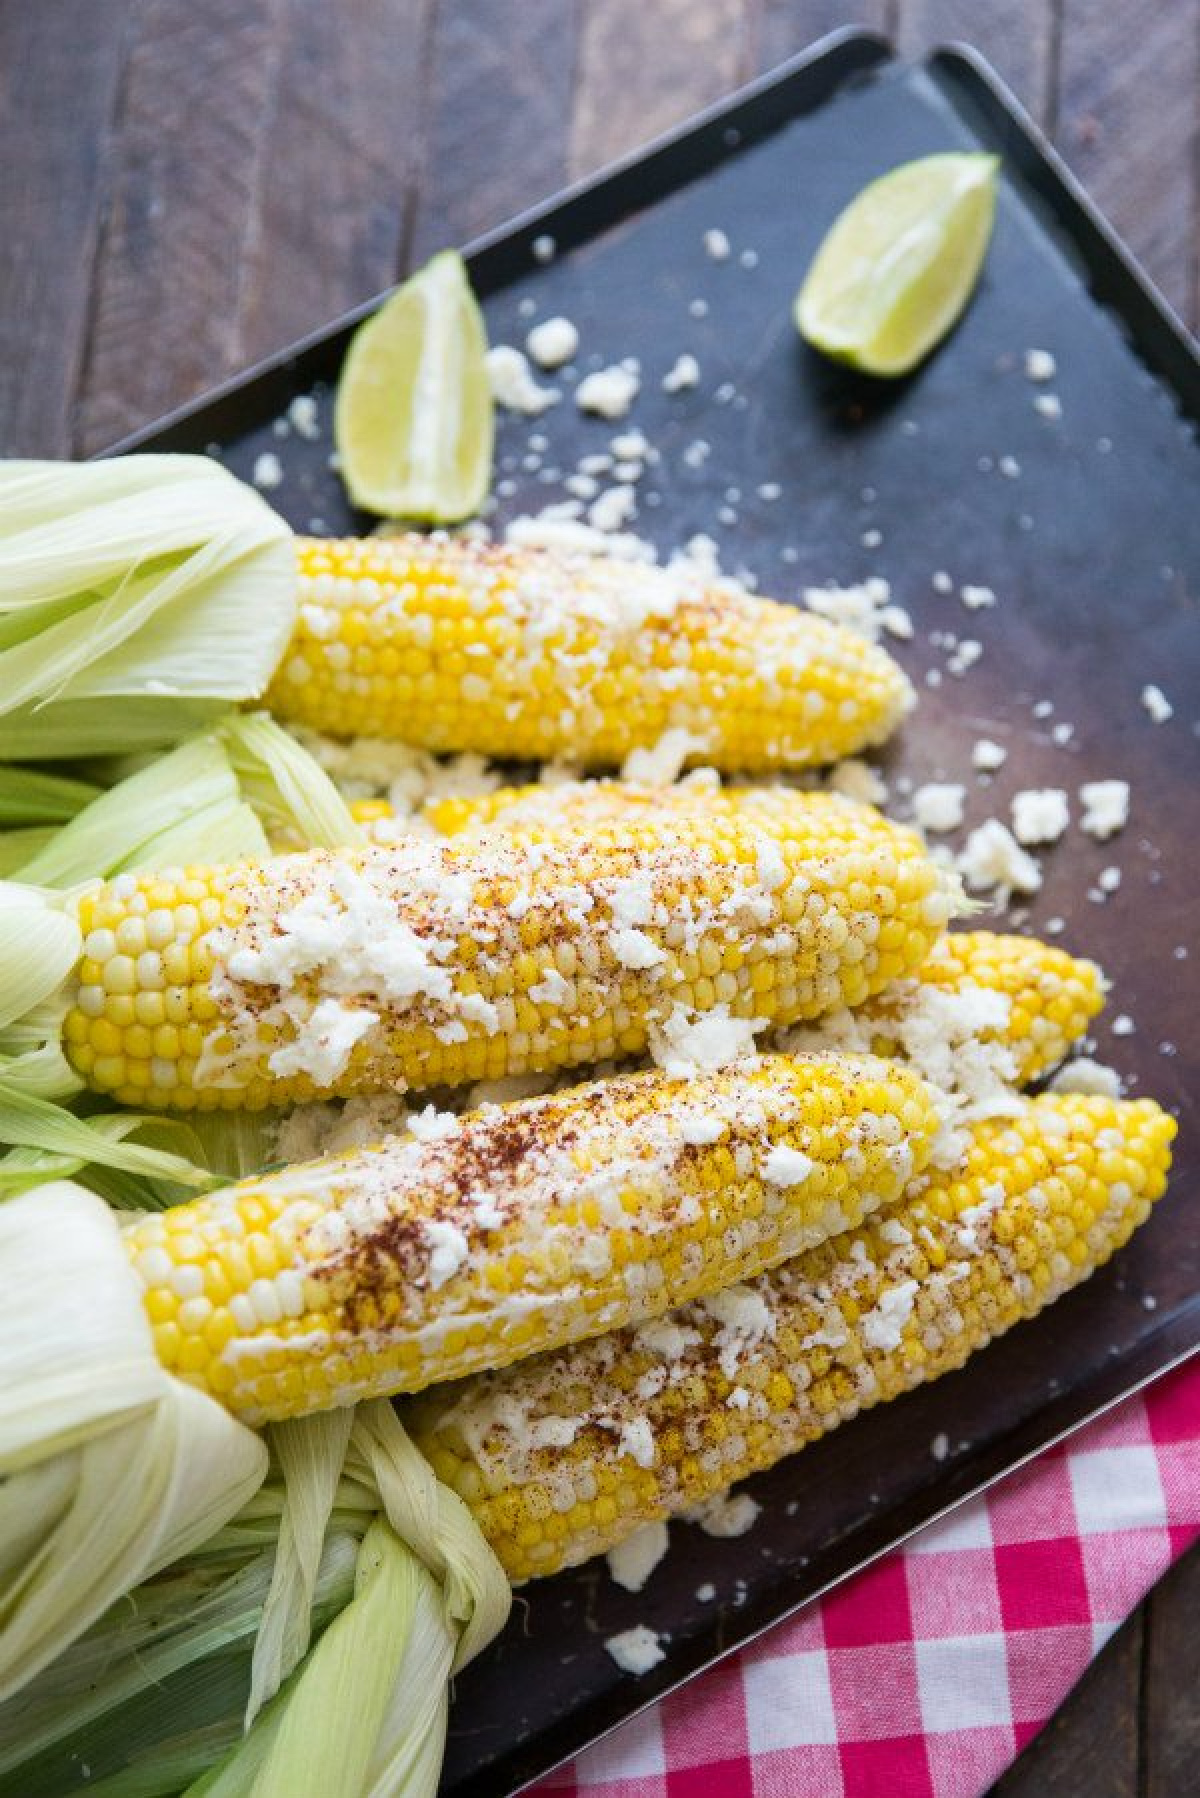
x=898 y=266
x=413 y=420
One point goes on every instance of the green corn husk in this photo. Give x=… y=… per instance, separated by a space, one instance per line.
x=139 y=598
x=28 y=796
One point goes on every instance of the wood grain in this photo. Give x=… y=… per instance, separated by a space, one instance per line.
x=1091 y=1745
x=1171 y=1684
x=55 y=115
x=339 y=157
x=1127 y=124
x=644 y=67
x=498 y=112
x=1016 y=36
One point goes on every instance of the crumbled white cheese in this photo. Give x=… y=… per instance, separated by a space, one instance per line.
x=512 y=383
x=544 y=248
x=988 y=756
x=429 y=1124
x=553 y=342
x=268 y=470
x=1040 y=815
x=725 y=1515
x=636 y=1650
x=302 y=416
x=1040 y=365
x=613 y=509
x=322 y=1048
x=1083 y=1075
x=938 y=805
x=856 y=779
x=448 y=1249
x=683 y=374
x=784 y=1166
x=634 y=949
x=993 y=859
x=859 y=608
x=976 y=598
x=883 y=1327
x=687 y=1044
x=942 y=582
x=706 y=1593
x=1123 y=1025
x=1157 y=704
x=1108 y=879
x=609 y=392
x=573 y=538
x=716 y=245
x=663 y=763
x=637 y=1441
x=1105 y=807
x=1048 y=404
x=939 y=1448
x=631 y=1562
x=699 y=1128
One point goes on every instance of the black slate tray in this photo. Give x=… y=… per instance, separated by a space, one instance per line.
x=1093 y=549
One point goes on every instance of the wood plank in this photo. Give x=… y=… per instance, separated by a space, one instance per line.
x=782 y=28
x=1171 y=1733
x=642 y=68
x=498 y=111
x=1016 y=36
x=1128 y=107
x=186 y=182
x=55 y=116
x=265 y=161
x=1091 y=1745
x=339 y=159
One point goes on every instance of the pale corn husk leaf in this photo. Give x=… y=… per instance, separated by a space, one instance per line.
x=42 y=945
x=127 y=1467
x=310 y=1452
x=51 y=1143
x=29 y=796
x=158 y=581
x=287 y=787
x=20 y=846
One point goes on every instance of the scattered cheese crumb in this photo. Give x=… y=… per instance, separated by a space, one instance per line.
x=1105 y=807
x=938 y=805
x=857 y=779
x=1040 y=815
x=784 y=1166
x=632 y=1562
x=1040 y=365
x=686 y=1044
x=725 y=1515
x=302 y=416
x=988 y=756
x=683 y=373
x=636 y=1650
x=883 y=1327
x=993 y=859
x=513 y=386
x=939 y=1448
x=268 y=470
x=1123 y=1025
x=716 y=245
x=942 y=582
x=1048 y=404
x=544 y=248
x=609 y=392
x=1087 y=1076
x=1157 y=704
x=553 y=342
x=662 y=763
x=976 y=598
x=1108 y=879
x=614 y=508
x=706 y=1593
x=859 y=608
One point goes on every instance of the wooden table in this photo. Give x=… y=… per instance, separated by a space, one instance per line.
x=188 y=184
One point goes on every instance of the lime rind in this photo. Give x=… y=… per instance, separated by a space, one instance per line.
x=897 y=268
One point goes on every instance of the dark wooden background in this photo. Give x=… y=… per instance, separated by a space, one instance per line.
x=186 y=185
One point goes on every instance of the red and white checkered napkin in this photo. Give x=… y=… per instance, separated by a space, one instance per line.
x=924 y=1676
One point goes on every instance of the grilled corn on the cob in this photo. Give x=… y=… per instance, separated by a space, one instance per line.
x=520 y=1227
x=516 y=652
x=344 y=972
x=564 y=1456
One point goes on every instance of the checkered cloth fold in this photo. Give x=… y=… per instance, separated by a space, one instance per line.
x=925 y=1675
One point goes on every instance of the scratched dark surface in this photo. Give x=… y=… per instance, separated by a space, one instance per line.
x=1093 y=547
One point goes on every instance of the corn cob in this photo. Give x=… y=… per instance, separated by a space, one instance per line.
x=562 y=1457
x=536 y=813
x=524 y=653
x=355 y=971
x=1053 y=996
x=518 y=1228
